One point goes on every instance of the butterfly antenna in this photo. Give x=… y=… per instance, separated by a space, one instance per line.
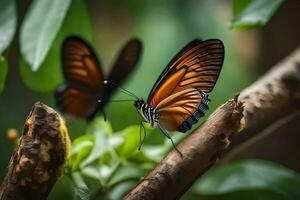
x=121 y=100
x=107 y=82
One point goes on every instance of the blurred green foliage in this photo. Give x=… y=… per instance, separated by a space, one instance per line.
x=250 y=179
x=3 y=72
x=41 y=24
x=102 y=160
x=253 y=13
x=8 y=23
x=47 y=76
x=104 y=155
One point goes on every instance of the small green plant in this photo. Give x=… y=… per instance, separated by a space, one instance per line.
x=101 y=161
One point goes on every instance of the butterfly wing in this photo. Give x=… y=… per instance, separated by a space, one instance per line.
x=84 y=79
x=124 y=65
x=74 y=101
x=197 y=65
x=182 y=109
x=126 y=62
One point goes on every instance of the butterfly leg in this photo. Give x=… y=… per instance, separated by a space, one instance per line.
x=142 y=140
x=104 y=115
x=165 y=132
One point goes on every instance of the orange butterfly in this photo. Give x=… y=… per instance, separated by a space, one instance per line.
x=84 y=77
x=179 y=96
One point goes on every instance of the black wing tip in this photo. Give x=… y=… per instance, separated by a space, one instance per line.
x=198 y=40
x=219 y=41
x=223 y=58
x=74 y=37
x=136 y=41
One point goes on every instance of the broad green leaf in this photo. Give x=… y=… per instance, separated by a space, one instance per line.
x=239 y=6
x=126 y=173
x=81 y=193
x=120 y=190
x=140 y=157
x=91 y=176
x=91 y=171
x=131 y=141
x=39 y=29
x=63 y=186
x=81 y=148
x=250 y=177
x=99 y=125
x=255 y=194
x=8 y=22
x=128 y=146
x=101 y=130
x=49 y=75
x=3 y=72
x=256 y=14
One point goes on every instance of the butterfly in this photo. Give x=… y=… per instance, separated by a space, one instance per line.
x=180 y=95
x=84 y=77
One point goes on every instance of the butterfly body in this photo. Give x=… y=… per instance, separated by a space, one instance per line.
x=147 y=112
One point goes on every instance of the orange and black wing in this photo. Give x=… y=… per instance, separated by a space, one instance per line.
x=84 y=79
x=182 y=109
x=197 y=65
x=126 y=61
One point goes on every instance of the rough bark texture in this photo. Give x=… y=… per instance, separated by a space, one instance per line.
x=38 y=161
x=275 y=95
x=175 y=174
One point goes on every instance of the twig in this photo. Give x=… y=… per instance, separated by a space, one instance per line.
x=38 y=161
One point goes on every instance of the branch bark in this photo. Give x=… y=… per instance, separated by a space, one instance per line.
x=270 y=98
x=275 y=96
x=38 y=161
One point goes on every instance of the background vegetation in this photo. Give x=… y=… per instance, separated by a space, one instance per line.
x=104 y=154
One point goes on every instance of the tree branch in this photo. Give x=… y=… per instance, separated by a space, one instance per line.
x=38 y=161
x=275 y=96
x=175 y=174
x=272 y=97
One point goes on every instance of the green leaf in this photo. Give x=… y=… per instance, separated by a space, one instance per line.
x=255 y=14
x=99 y=125
x=130 y=143
x=49 y=75
x=254 y=194
x=3 y=72
x=141 y=157
x=252 y=178
x=120 y=190
x=239 y=6
x=64 y=186
x=81 y=148
x=101 y=130
x=8 y=22
x=39 y=29
x=81 y=193
x=126 y=173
